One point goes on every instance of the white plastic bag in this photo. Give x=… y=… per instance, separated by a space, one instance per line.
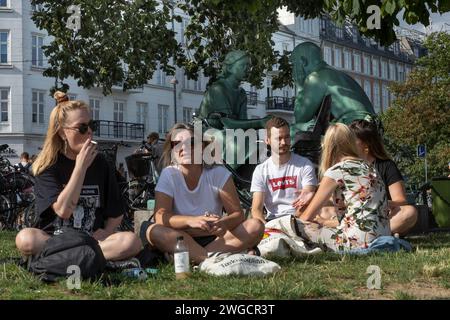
x=281 y=240
x=225 y=264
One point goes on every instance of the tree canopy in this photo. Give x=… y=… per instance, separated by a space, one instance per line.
x=125 y=40
x=421 y=113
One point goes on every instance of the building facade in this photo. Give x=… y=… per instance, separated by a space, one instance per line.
x=25 y=103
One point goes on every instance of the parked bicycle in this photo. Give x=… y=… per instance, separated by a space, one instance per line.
x=141 y=188
x=16 y=195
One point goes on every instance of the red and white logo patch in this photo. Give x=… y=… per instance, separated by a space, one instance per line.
x=283 y=183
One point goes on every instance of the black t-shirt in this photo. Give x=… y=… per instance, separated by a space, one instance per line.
x=389 y=173
x=99 y=198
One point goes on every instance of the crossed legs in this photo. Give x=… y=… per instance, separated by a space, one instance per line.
x=118 y=246
x=244 y=236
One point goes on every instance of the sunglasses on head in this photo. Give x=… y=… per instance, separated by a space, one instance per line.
x=84 y=127
x=177 y=142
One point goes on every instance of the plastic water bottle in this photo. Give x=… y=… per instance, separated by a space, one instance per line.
x=181 y=259
x=136 y=273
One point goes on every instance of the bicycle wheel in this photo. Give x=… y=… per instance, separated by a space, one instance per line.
x=30 y=218
x=135 y=194
x=5 y=212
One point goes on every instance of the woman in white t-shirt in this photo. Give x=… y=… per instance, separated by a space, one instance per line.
x=190 y=198
x=358 y=192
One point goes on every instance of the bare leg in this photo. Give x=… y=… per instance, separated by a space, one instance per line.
x=165 y=239
x=31 y=241
x=120 y=246
x=245 y=236
x=404 y=220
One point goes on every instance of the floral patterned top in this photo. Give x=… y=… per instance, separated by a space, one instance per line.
x=362 y=204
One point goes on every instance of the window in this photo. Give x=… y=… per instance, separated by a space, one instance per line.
x=391 y=71
x=367 y=89
x=366 y=64
x=163 y=117
x=416 y=52
x=285 y=47
x=357 y=62
x=376 y=97
x=186 y=83
x=119 y=107
x=337 y=58
x=407 y=71
x=384 y=69
x=396 y=48
x=184 y=24
x=198 y=83
x=355 y=35
x=4 y=4
x=37 y=103
x=72 y=96
x=141 y=112
x=327 y=55
x=4 y=47
x=385 y=96
x=375 y=68
x=94 y=103
x=4 y=104
x=339 y=33
x=160 y=76
x=401 y=73
x=347 y=60
x=37 y=7
x=37 y=55
x=187 y=115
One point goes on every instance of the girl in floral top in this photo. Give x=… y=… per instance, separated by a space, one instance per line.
x=358 y=193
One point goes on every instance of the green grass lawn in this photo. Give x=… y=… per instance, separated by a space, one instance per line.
x=422 y=274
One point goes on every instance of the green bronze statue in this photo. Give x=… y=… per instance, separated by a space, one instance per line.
x=226 y=97
x=224 y=106
x=315 y=79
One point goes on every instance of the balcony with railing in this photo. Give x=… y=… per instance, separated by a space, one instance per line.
x=252 y=98
x=120 y=130
x=276 y=103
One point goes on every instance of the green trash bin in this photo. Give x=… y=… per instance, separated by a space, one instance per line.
x=440 y=193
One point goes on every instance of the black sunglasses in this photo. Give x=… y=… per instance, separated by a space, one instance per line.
x=83 y=128
x=177 y=142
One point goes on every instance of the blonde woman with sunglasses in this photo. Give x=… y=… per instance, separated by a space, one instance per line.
x=190 y=200
x=358 y=192
x=75 y=187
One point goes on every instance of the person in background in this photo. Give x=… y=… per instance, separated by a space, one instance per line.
x=402 y=215
x=24 y=164
x=156 y=148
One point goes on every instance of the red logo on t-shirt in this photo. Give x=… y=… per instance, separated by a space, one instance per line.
x=283 y=183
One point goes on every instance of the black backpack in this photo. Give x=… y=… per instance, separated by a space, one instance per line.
x=69 y=248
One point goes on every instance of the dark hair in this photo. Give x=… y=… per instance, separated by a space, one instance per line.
x=25 y=155
x=153 y=136
x=368 y=133
x=275 y=122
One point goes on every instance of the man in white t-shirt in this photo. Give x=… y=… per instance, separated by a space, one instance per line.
x=286 y=182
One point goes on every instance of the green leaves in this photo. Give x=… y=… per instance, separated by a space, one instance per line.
x=421 y=113
x=389 y=6
x=124 y=41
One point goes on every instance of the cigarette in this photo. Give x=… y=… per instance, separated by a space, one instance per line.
x=93 y=142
